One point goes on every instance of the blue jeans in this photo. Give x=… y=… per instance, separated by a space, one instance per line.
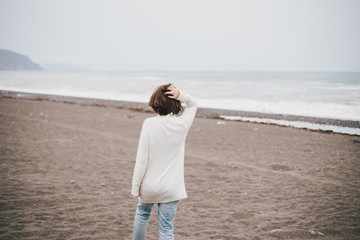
x=166 y=216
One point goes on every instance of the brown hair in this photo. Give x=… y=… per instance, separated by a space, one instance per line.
x=162 y=104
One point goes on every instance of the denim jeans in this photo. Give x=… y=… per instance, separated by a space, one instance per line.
x=166 y=216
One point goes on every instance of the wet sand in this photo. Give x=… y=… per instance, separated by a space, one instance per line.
x=244 y=180
x=202 y=112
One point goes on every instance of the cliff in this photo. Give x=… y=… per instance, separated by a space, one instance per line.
x=12 y=61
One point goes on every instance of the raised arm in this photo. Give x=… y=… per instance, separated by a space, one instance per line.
x=142 y=159
x=191 y=104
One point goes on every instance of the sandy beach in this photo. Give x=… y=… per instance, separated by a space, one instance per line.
x=66 y=173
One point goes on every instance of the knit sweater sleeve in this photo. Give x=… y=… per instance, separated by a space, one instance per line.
x=142 y=159
x=191 y=106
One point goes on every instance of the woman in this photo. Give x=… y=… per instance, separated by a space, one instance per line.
x=159 y=169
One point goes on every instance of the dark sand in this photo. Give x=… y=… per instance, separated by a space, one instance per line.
x=244 y=180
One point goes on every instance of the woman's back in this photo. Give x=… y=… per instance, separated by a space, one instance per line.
x=164 y=177
x=159 y=169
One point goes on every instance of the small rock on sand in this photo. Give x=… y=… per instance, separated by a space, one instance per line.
x=117 y=222
x=312 y=232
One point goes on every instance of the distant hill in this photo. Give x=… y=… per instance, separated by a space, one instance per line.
x=12 y=61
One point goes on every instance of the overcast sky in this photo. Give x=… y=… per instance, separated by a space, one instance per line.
x=252 y=35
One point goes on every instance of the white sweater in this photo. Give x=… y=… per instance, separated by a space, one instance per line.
x=159 y=167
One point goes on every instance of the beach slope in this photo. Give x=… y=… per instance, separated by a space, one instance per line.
x=66 y=173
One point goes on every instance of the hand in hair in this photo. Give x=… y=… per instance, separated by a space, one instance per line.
x=172 y=92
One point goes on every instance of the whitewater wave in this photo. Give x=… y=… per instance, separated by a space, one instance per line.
x=297 y=124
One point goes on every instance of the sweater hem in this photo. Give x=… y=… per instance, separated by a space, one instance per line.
x=164 y=201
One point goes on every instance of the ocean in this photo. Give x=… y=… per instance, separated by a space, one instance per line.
x=332 y=95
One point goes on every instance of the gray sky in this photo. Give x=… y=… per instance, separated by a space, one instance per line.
x=267 y=35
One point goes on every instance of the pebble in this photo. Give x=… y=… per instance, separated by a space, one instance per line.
x=72 y=181
x=129 y=116
x=102 y=184
x=117 y=222
x=312 y=232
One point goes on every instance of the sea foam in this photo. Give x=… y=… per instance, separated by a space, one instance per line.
x=297 y=124
x=324 y=95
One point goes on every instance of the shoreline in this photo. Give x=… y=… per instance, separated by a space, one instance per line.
x=202 y=112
